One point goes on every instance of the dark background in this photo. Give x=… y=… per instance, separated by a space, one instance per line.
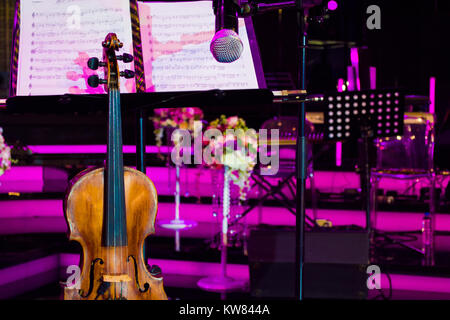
x=411 y=46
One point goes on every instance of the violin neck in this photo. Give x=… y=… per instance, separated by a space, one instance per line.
x=115 y=229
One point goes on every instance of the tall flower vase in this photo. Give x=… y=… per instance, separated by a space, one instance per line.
x=222 y=282
x=177 y=224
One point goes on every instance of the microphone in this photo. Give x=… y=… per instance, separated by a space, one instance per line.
x=226 y=46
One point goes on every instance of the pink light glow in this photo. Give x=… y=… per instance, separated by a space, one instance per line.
x=350 y=78
x=373 y=78
x=42 y=217
x=332 y=5
x=416 y=283
x=28 y=269
x=432 y=94
x=23 y=173
x=338 y=153
x=340 y=85
x=354 y=58
x=194 y=181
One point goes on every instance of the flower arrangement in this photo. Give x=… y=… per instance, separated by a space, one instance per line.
x=238 y=163
x=5 y=154
x=175 y=118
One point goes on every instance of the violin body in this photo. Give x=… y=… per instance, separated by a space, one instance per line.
x=84 y=215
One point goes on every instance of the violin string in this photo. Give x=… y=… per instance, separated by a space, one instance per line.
x=108 y=181
x=122 y=209
x=121 y=180
x=119 y=175
x=111 y=161
x=116 y=176
x=118 y=168
x=115 y=173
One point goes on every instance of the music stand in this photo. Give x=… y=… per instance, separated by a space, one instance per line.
x=367 y=115
x=377 y=113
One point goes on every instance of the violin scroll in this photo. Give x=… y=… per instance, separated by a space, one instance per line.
x=112 y=42
x=111 y=80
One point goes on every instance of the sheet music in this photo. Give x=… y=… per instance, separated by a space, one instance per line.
x=175 y=43
x=57 y=37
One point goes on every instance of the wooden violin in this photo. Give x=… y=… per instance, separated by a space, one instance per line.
x=110 y=211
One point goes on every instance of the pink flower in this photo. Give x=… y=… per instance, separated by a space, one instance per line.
x=233 y=121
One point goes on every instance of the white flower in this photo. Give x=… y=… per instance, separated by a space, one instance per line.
x=5 y=155
x=237 y=160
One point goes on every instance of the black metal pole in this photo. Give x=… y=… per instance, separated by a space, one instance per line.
x=140 y=140
x=301 y=156
x=140 y=156
x=367 y=185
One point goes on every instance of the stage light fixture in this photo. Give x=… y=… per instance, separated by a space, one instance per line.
x=332 y=5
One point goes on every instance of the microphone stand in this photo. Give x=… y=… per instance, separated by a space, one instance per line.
x=253 y=8
x=300 y=156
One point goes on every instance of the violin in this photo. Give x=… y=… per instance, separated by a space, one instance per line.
x=110 y=211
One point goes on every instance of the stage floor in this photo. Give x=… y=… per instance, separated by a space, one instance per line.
x=32 y=264
x=35 y=252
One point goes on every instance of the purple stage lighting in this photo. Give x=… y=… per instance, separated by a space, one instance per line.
x=332 y=5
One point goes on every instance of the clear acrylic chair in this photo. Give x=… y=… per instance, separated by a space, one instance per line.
x=408 y=157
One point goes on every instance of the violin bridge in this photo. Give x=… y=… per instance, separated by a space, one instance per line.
x=116 y=278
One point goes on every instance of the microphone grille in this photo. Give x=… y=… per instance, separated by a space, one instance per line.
x=226 y=46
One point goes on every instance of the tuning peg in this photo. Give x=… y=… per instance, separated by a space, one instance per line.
x=94 y=63
x=127 y=74
x=127 y=58
x=94 y=81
